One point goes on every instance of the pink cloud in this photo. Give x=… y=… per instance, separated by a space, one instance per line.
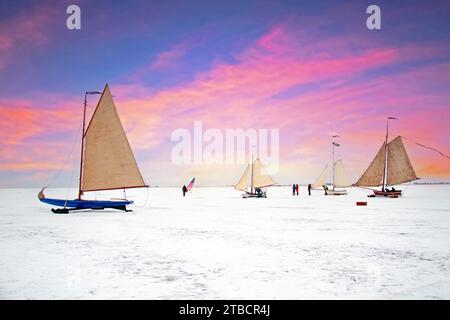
x=29 y=28
x=169 y=59
x=244 y=95
x=25 y=126
x=172 y=58
x=247 y=94
x=234 y=91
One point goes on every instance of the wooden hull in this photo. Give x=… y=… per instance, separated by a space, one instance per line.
x=336 y=192
x=87 y=204
x=387 y=194
x=254 y=195
x=79 y=204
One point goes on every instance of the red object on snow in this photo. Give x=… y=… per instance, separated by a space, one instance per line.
x=361 y=203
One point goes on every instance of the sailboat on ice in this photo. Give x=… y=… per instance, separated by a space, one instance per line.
x=191 y=184
x=107 y=161
x=340 y=178
x=391 y=166
x=253 y=178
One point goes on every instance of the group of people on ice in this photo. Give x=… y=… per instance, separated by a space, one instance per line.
x=387 y=189
x=295 y=188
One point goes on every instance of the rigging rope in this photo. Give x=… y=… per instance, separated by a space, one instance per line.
x=70 y=185
x=58 y=172
x=146 y=200
x=427 y=147
x=407 y=186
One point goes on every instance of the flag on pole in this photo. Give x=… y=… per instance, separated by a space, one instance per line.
x=191 y=184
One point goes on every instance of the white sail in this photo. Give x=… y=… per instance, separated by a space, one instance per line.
x=373 y=176
x=244 y=181
x=260 y=180
x=340 y=176
x=321 y=180
x=399 y=166
x=109 y=162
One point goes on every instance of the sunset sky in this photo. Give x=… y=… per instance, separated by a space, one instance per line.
x=308 y=68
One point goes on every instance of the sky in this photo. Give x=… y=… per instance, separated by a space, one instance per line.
x=310 y=69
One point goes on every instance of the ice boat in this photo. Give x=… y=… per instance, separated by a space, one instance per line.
x=253 y=178
x=107 y=161
x=191 y=184
x=339 y=176
x=76 y=204
x=390 y=167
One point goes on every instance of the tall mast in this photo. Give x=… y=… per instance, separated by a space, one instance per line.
x=332 y=154
x=333 y=161
x=385 y=173
x=80 y=192
x=82 y=146
x=251 y=178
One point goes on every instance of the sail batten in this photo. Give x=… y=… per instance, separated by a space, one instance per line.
x=109 y=162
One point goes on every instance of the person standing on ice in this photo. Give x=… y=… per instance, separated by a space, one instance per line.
x=309 y=189
x=184 y=189
x=296 y=189
x=258 y=192
x=293 y=189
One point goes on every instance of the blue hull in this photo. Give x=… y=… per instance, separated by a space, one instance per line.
x=86 y=204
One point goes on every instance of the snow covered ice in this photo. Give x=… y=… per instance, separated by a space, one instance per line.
x=213 y=244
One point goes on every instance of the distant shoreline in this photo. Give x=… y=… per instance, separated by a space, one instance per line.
x=230 y=186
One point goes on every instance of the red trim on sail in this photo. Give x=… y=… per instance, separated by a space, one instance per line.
x=133 y=187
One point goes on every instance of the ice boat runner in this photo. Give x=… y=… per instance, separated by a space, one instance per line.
x=391 y=166
x=340 y=178
x=253 y=178
x=107 y=161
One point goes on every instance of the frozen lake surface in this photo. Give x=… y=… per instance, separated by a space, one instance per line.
x=215 y=245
